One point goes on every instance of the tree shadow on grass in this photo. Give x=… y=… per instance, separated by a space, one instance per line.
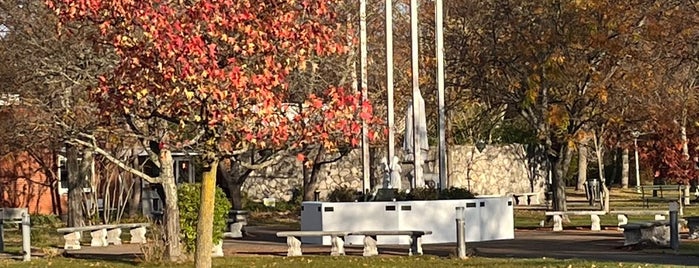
x=126 y=258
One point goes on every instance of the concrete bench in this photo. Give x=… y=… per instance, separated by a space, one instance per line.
x=526 y=199
x=103 y=235
x=623 y=215
x=558 y=220
x=370 y=245
x=693 y=226
x=237 y=219
x=656 y=232
x=292 y=240
x=21 y=217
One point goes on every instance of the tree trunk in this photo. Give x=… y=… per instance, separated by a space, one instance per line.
x=76 y=215
x=171 y=213
x=135 y=198
x=310 y=176
x=560 y=168
x=85 y=181
x=205 y=221
x=236 y=195
x=309 y=185
x=232 y=180
x=625 y=169
x=582 y=167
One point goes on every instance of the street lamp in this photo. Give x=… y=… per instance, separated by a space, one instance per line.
x=635 y=135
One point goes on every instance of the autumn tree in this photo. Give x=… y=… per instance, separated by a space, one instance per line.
x=49 y=73
x=214 y=81
x=549 y=61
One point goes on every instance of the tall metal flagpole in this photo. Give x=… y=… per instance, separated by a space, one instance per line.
x=416 y=91
x=389 y=82
x=366 y=183
x=439 y=35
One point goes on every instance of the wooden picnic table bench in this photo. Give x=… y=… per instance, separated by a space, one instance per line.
x=103 y=234
x=661 y=193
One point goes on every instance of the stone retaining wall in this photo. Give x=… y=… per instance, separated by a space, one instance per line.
x=497 y=170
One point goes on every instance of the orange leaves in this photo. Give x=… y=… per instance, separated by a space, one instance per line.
x=197 y=61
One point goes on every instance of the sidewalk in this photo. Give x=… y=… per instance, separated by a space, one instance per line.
x=570 y=244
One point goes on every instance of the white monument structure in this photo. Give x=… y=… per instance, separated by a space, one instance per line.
x=420 y=138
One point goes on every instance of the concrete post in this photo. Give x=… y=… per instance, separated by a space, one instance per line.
x=26 y=237
x=460 y=233
x=674 y=227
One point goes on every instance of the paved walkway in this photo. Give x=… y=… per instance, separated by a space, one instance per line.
x=569 y=244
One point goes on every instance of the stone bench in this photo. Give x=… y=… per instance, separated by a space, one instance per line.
x=623 y=215
x=526 y=199
x=292 y=240
x=370 y=245
x=103 y=235
x=558 y=220
x=237 y=219
x=656 y=232
x=693 y=226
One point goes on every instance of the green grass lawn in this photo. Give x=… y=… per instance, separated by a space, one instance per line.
x=344 y=262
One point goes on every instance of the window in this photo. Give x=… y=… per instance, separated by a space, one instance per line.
x=63 y=175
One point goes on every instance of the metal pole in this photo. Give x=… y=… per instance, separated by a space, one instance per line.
x=389 y=83
x=366 y=183
x=674 y=232
x=26 y=237
x=416 y=90
x=460 y=233
x=439 y=32
x=638 y=174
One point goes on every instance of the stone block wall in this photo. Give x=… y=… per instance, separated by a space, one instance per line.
x=497 y=170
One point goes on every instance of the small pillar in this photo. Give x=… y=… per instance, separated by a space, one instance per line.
x=138 y=235
x=114 y=236
x=99 y=238
x=294 y=246
x=557 y=223
x=370 y=248
x=595 y=223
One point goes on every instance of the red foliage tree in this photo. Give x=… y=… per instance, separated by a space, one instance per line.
x=211 y=76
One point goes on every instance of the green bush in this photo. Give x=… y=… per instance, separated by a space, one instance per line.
x=423 y=193
x=48 y=220
x=427 y=193
x=342 y=194
x=188 y=195
x=456 y=193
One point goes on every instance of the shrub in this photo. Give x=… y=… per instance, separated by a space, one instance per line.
x=423 y=193
x=49 y=220
x=456 y=193
x=188 y=201
x=342 y=194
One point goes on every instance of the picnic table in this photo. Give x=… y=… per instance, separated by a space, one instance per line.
x=661 y=193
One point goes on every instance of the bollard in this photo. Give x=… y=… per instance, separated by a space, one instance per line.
x=460 y=233
x=674 y=232
x=26 y=237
